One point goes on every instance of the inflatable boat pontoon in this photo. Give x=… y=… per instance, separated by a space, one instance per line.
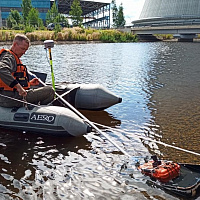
x=44 y=119
x=57 y=118
x=83 y=96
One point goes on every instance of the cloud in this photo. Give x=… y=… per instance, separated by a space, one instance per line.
x=132 y=8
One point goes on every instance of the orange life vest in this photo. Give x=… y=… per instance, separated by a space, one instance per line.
x=21 y=74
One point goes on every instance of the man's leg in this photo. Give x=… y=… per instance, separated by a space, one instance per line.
x=44 y=95
x=7 y=99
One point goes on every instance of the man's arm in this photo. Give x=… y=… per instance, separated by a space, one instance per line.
x=7 y=66
x=21 y=90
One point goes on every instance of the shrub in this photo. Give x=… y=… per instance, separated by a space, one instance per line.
x=96 y=36
x=60 y=36
x=89 y=37
x=28 y=29
x=69 y=34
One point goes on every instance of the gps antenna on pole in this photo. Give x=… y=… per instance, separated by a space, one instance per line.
x=48 y=44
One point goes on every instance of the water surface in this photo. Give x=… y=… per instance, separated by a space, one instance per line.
x=159 y=85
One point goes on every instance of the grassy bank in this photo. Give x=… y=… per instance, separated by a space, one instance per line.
x=72 y=34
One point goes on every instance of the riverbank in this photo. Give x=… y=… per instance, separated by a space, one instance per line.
x=70 y=35
x=56 y=42
x=79 y=35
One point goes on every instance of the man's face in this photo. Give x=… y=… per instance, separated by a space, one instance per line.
x=21 y=48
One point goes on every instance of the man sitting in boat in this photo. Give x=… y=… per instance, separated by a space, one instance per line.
x=14 y=79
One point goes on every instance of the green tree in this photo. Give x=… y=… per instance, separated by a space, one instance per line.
x=26 y=7
x=14 y=19
x=60 y=19
x=52 y=14
x=114 y=13
x=33 y=18
x=120 y=17
x=76 y=12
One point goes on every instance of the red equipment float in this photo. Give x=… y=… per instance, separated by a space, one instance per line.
x=161 y=170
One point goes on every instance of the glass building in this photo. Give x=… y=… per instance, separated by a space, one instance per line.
x=96 y=13
x=170 y=12
x=6 y=5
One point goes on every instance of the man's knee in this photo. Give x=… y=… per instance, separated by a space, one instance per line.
x=51 y=91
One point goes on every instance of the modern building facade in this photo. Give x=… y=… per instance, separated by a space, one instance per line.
x=6 y=5
x=96 y=14
x=170 y=12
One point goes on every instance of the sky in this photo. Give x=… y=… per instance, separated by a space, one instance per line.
x=132 y=9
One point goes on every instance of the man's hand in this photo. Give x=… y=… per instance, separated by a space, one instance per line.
x=21 y=90
x=34 y=81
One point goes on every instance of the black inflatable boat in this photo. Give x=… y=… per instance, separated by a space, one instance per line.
x=178 y=178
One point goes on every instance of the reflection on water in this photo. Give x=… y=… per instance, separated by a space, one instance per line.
x=176 y=108
x=158 y=83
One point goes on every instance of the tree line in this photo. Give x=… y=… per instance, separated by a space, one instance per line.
x=30 y=20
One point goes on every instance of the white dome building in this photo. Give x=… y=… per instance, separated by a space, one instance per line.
x=158 y=13
x=171 y=8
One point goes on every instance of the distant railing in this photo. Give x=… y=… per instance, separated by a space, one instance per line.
x=166 y=21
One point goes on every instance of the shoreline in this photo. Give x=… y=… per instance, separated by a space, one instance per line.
x=56 y=42
x=86 y=42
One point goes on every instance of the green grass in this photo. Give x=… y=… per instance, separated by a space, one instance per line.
x=72 y=34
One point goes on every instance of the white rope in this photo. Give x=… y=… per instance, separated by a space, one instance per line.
x=35 y=105
x=117 y=130
x=19 y=100
x=85 y=119
x=151 y=140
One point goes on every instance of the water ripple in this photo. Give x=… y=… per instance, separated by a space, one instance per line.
x=159 y=85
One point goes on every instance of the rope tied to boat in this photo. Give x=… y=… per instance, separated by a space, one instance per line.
x=112 y=129
x=25 y=102
x=149 y=139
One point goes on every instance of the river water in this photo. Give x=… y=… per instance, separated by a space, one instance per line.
x=159 y=84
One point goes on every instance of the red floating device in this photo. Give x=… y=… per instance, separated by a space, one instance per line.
x=161 y=170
